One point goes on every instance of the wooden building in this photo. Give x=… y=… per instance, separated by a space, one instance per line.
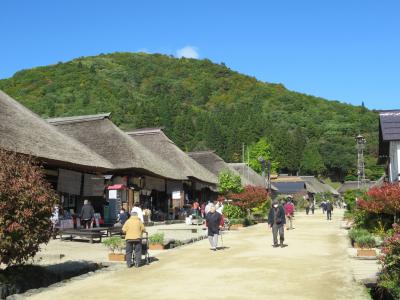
x=389 y=143
x=73 y=169
x=138 y=175
x=201 y=183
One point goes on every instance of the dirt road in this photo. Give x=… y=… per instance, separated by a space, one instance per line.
x=313 y=266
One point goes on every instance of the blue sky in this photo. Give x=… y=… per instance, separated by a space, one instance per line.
x=346 y=50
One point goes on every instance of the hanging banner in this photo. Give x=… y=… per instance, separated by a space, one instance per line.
x=69 y=182
x=93 y=185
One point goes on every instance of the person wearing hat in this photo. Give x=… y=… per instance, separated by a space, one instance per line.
x=138 y=210
x=277 y=221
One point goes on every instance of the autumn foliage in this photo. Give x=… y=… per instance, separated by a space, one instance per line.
x=251 y=197
x=385 y=199
x=26 y=202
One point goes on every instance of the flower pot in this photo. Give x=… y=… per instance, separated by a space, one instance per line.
x=366 y=252
x=116 y=256
x=156 y=247
x=236 y=226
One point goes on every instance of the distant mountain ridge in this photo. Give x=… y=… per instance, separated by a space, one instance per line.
x=203 y=105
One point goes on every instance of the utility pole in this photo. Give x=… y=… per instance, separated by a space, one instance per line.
x=360 y=161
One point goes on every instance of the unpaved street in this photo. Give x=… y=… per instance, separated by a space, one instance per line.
x=313 y=266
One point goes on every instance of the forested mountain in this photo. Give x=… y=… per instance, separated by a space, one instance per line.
x=204 y=105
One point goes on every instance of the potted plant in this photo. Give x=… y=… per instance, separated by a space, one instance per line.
x=156 y=241
x=236 y=223
x=355 y=233
x=365 y=244
x=116 y=245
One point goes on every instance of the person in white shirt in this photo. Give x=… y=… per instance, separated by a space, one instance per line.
x=208 y=207
x=136 y=209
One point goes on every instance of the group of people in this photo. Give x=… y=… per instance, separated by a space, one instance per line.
x=327 y=207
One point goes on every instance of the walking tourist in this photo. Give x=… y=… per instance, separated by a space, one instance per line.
x=87 y=214
x=307 y=206
x=329 y=209
x=133 y=229
x=213 y=223
x=312 y=206
x=122 y=217
x=323 y=206
x=277 y=220
x=208 y=207
x=136 y=209
x=289 y=212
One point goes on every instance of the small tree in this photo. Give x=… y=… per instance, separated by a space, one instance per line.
x=251 y=197
x=384 y=199
x=26 y=202
x=228 y=182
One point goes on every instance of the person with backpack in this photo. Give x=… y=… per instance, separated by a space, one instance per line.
x=277 y=221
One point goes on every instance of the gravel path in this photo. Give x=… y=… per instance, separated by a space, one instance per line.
x=315 y=265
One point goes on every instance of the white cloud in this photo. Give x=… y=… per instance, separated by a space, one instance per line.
x=188 y=52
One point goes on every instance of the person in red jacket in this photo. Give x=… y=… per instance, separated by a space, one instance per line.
x=289 y=212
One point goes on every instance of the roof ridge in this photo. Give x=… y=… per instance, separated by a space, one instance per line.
x=78 y=119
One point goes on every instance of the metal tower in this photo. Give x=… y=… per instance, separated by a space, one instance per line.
x=360 y=161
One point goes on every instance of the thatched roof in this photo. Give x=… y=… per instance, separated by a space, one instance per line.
x=251 y=175
x=100 y=134
x=156 y=141
x=24 y=132
x=353 y=185
x=215 y=164
x=316 y=186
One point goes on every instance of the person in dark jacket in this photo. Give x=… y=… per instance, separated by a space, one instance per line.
x=87 y=214
x=329 y=209
x=213 y=223
x=277 y=221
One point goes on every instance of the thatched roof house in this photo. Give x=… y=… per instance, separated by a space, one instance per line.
x=155 y=140
x=102 y=136
x=316 y=186
x=215 y=164
x=24 y=132
x=256 y=179
x=353 y=185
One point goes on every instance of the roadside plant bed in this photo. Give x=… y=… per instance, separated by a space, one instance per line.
x=19 y=279
x=156 y=241
x=363 y=241
x=240 y=223
x=116 y=245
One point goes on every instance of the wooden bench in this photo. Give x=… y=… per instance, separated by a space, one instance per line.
x=114 y=231
x=85 y=233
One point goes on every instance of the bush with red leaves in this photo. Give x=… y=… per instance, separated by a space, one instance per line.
x=251 y=197
x=384 y=199
x=26 y=202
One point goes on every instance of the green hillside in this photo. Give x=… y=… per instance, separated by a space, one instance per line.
x=204 y=105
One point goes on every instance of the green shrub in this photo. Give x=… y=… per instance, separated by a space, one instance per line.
x=355 y=233
x=248 y=222
x=157 y=238
x=233 y=212
x=366 y=241
x=236 y=221
x=262 y=209
x=115 y=243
